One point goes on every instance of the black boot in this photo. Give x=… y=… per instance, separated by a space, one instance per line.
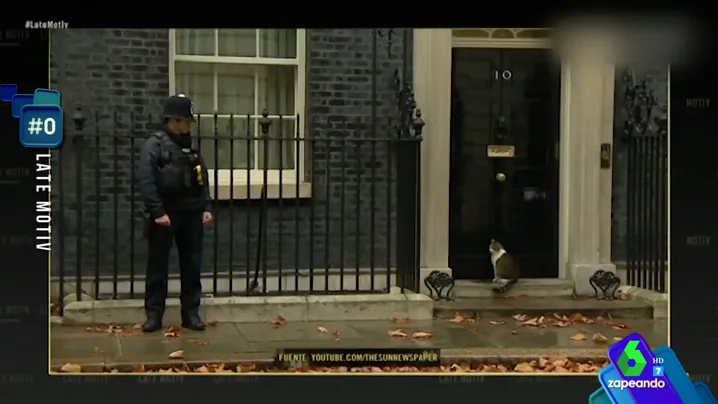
x=152 y=324
x=193 y=322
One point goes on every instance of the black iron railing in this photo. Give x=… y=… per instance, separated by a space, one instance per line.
x=328 y=222
x=645 y=134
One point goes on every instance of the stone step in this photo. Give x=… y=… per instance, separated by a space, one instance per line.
x=542 y=306
x=524 y=287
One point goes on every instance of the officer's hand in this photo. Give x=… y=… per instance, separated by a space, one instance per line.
x=207 y=217
x=163 y=221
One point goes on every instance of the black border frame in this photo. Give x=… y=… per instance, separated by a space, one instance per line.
x=694 y=313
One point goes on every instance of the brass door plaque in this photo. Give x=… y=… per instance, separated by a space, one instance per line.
x=500 y=151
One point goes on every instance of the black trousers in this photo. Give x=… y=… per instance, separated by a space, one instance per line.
x=187 y=231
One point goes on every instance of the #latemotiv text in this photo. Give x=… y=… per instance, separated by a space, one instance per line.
x=43 y=216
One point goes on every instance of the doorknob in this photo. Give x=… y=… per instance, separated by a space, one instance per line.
x=501 y=130
x=500 y=177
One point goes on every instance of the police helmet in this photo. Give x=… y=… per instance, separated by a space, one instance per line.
x=179 y=107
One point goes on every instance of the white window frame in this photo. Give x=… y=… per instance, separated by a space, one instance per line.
x=288 y=176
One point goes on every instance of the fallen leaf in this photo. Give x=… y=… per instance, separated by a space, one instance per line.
x=542 y=362
x=202 y=369
x=514 y=332
x=579 y=337
x=322 y=330
x=600 y=338
x=421 y=334
x=492 y=322
x=620 y=327
x=212 y=323
x=471 y=320
x=399 y=320
x=520 y=317
x=71 y=368
x=617 y=338
x=397 y=333
x=137 y=327
x=222 y=369
x=457 y=319
x=560 y=317
x=524 y=367
x=176 y=354
x=534 y=322
x=578 y=318
x=278 y=322
x=246 y=367
x=172 y=332
x=336 y=335
x=562 y=324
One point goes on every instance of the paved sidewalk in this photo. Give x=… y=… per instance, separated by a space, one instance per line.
x=104 y=346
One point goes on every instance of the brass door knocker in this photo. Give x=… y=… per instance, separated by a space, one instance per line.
x=500 y=128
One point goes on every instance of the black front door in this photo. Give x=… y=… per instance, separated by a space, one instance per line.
x=504 y=160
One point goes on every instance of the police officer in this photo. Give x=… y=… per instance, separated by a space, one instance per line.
x=172 y=180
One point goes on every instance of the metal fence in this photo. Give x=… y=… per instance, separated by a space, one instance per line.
x=645 y=135
x=298 y=211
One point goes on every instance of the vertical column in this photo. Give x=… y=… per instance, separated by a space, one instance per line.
x=606 y=178
x=589 y=58
x=432 y=88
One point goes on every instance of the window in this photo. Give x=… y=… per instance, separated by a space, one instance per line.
x=241 y=72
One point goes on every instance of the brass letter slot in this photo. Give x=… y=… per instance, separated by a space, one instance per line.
x=605 y=155
x=500 y=151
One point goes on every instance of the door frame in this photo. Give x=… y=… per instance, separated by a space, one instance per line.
x=590 y=118
x=524 y=43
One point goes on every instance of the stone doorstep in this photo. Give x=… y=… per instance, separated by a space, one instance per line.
x=540 y=306
x=525 y=287
x=658 y=301
x=266 y=360
x=251 y=309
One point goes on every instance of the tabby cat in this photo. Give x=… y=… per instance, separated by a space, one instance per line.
x=506 y=269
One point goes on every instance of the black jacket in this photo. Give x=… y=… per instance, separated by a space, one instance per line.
x=153 y=155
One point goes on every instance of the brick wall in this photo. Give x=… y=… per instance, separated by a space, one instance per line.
x=124 y=73
x=656 y=78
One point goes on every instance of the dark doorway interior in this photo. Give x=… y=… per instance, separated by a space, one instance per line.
x=504 y=160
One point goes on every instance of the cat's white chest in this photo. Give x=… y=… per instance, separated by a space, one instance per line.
x=495 y=255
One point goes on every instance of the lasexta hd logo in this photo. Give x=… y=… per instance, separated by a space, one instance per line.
x=631 y=363
x=40 y=115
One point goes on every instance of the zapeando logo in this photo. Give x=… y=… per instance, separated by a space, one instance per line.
x=631 y=362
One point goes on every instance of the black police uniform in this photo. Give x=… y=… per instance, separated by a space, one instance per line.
x=172 y=180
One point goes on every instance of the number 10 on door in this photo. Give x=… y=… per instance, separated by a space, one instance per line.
x=504 y=75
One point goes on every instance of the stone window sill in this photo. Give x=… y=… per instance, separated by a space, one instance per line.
x=225 y=192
